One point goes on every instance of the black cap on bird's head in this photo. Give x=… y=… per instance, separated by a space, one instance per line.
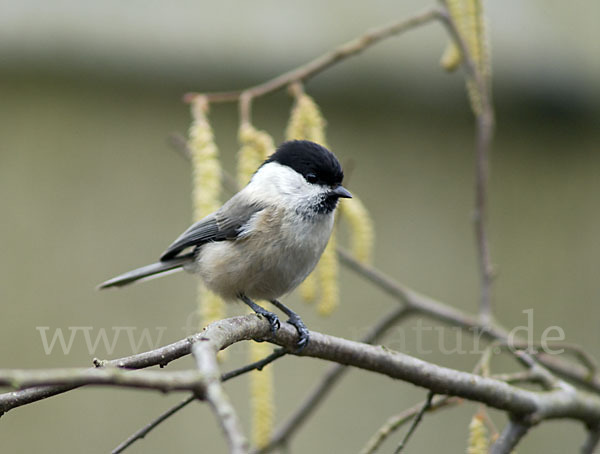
x=314 y=162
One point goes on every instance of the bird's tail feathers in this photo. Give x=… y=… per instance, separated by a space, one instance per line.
x=147 y=272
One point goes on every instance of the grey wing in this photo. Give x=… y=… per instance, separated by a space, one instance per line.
x=225 y=224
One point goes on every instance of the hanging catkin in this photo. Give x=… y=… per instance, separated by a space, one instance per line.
x=470 y=22
x=255 y=147
x=362 y=234
x=307 y=123
x=206 y=177
x=478 y=436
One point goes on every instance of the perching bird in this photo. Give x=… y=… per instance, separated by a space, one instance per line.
x=267 y=238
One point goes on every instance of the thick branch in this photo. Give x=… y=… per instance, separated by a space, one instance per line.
x=558 y=403
x=414 y=301
x=565 y=402
x=205 y=352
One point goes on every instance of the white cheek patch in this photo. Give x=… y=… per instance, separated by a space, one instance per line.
x=281 y=184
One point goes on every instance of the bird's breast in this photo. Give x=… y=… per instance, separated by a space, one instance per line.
x=272 y=258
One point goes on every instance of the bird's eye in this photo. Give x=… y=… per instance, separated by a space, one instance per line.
x=311 y=178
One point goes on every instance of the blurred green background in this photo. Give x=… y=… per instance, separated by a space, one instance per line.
x=89 y=188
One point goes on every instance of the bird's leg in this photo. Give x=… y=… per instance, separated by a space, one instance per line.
x=270 y=316
x=294 y=319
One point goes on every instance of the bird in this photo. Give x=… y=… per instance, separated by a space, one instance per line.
x=264 y=241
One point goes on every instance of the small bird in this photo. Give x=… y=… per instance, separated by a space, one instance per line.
x=264 y=241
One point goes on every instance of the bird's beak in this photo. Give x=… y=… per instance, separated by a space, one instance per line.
x=341 y=192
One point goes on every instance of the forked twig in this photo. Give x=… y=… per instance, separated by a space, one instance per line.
x=141 y=433
x=397 y=421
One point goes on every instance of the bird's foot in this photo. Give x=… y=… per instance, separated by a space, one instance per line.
x=272 y=318
x=303 y=333
x=296 y=321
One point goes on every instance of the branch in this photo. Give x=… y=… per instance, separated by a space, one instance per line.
x=316 y=396
x=529 y=406
x=444 y=313
x=541 y=374
x=510 y=436
x=319 y=64
x=526 y=376
x=141 y=433
x=161 y=356
x=565 y=402
x=537 y=405
x=205 y=352
x=310 y=404
x=413 y=300
x=484 y=134
x=74 y=377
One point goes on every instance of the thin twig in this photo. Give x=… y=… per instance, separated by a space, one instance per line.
x=397 y=421
x=148 y=427
x=483 y=141
x=525 y=376
x=178 y=142
x=510 y=437
x=319 y=64
x=483 y=366
x=535 y=348
x=536 y=372
x=541 y=374
x=141 y=433
x=480 y=215
x=415 y=300
x=257 y=365
x=426 y=406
